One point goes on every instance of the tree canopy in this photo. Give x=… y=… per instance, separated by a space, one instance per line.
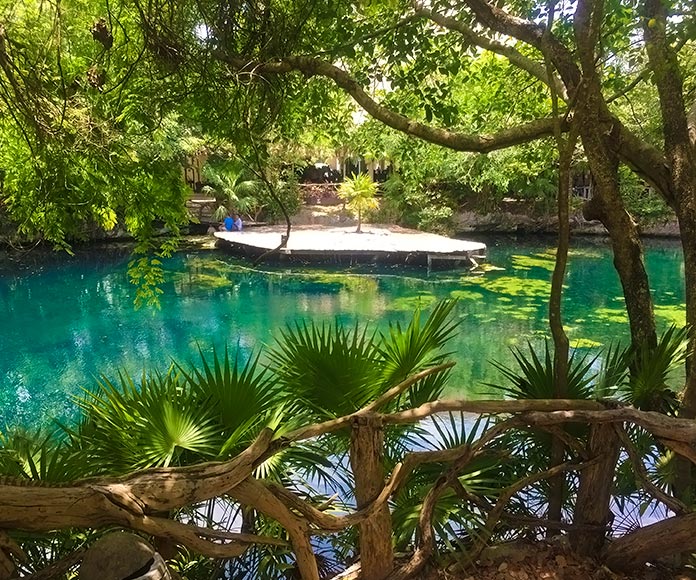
x=100 y=101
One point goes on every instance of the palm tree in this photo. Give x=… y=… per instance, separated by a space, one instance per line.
x=235 y=188
x=359 y=194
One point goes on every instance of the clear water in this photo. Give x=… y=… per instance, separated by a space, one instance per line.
x=65 y=321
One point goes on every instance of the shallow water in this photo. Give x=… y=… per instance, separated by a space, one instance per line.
x=67 y=320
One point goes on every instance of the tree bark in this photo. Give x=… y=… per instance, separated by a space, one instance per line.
x=252 y=492
x=366 y=459
x=681 y=158
x=658 y=540
x=560 y=338
x=592 y=507
x=600 y=139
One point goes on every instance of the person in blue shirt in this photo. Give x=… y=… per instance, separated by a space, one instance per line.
x=228 y=223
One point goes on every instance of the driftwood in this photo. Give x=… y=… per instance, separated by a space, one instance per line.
x=138 y=501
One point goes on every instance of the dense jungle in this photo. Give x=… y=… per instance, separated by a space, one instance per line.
x=333 y=452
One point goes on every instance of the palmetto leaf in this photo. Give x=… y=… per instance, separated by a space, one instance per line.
x=331 y=370
x=241 y=397
x=613 y=372
x=648 y=387
x=534 y=379
x=169 y=431
x=419 y=346
x=153 y=424
x=480 y=478
x=37 y=455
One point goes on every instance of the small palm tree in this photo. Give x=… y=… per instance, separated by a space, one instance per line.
x=359 y=194
x=235 y=188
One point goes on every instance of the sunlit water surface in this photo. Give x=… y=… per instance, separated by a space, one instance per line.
x=67 y=320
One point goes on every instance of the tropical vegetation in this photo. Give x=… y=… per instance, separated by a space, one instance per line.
x=99 y=104
x=359 y=195
x=280 y=460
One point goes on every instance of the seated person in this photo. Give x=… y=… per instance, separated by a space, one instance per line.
x=237 y=223
x=227 y=224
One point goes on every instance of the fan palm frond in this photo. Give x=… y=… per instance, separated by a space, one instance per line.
x=534 y=379
x=419 y=346
x=613 y=372
x=241 y=396
x=155 y=423
x=648 y=387
x=38 y=455
x=331 y=370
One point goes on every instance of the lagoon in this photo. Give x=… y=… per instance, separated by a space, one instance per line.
x=67 y=320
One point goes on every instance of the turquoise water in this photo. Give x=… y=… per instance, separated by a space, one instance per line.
x=68 y=320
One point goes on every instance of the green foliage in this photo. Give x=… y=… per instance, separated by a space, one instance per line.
x=241 y=398
x=455 y=520
x=416 y=348
x=129 y=426
x=359 y=194
x=535 y=377
x=613 y=371
x=648 y=386
x=333 y=371
x=642 y=201
x=287 y=190
x=36 y=455
x=147 y=275
x=234 y=186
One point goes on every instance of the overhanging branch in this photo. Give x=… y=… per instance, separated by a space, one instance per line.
x=455 y=140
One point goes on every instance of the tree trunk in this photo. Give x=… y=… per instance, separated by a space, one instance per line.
x=628 y=259
x=366 y=459
x=681 y=159
x=600 y=139
x=592 y=507
x=599 y=136
x=560 y=338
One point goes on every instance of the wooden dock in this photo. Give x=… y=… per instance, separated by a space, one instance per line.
x=375 y=244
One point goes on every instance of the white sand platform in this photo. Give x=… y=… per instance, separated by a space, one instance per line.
x=393 y=244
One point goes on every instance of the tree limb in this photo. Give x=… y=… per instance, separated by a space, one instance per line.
x=123 y=500
x=641 y=473
x=204 y=541
x=253 y=493
x=311 y=66
x=342 y=422
x=658 y=540
x=660 y=425
x=486 y=407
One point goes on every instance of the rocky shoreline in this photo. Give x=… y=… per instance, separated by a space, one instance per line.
x=509 y=222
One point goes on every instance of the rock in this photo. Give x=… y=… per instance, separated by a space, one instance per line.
x=122 y=555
